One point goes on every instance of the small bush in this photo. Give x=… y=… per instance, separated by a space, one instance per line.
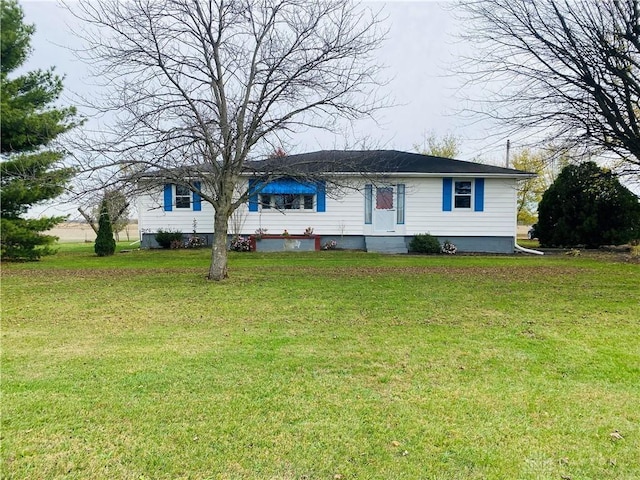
x=425 y=243
x=167 y=238
x=330 y=245
x=195 y=241
x=240 y=244
x=449 y=248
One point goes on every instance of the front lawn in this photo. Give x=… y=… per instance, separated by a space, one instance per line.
x=321 y=365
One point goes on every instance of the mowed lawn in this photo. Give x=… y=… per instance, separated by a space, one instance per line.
x=326 y=365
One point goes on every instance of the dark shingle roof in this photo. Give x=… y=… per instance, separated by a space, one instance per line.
x=378 y=161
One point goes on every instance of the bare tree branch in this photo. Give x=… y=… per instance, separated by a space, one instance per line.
x=90 y=220
x=199 y=87
x=560 y=71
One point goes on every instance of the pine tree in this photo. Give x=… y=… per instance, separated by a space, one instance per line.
x=105 y=244
x=29 y=172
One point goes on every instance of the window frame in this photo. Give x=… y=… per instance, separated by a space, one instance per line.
x=400 y=203
x=384 y=197
x=290 y=202
x=469 y=195
x=368 y=204
x=182 y=198
x=311 y=196
x=398 y=199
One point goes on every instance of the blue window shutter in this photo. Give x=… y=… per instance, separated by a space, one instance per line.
x=253 y=197
x=321 y=197
x=168 y=197
x=478 y=201
x=447 y=194
x=197 y=200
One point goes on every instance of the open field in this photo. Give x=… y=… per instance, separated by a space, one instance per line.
x=81 y=232
x=322 y=365
x=73 y=232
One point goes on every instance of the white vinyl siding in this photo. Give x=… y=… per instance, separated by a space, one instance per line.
x=342 y=217
x=424 y=210
x=346 y=215
x=152 y=216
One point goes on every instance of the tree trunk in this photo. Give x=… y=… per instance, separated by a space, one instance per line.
x=218 y=267
x=89 y=220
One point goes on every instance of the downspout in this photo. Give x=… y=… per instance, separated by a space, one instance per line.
x=525 y=250
x=515 y=239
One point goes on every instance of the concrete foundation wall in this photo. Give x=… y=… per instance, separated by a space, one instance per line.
x=357 y=242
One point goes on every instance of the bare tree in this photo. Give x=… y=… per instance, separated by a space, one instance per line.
x=200 y=87
x=118 y=209
x=560 y=70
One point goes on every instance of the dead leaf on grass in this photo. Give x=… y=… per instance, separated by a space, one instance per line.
x=615 y=436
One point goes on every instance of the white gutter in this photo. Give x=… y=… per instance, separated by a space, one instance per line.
x=521 y=176
x=526 y=250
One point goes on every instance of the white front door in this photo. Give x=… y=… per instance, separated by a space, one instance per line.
x=384 y=210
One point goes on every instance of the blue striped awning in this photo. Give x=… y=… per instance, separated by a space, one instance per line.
x=290 y=186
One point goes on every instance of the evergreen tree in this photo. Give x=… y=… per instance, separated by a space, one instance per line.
x=29 y=173
x=105 y=244
x=588 y=206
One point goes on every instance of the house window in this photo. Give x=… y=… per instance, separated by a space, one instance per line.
x=286 y=201
x=368 y=198
x=400 y=204
x=384 y=198
x=457 y=195
x=183 y=197
x=265 y=201
x=462 y=194
x=287 y=194
x=307 y=202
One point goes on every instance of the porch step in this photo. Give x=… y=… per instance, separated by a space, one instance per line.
x=385 y=244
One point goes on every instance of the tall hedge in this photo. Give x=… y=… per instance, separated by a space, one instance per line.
x=105 y=243
x=587 y=206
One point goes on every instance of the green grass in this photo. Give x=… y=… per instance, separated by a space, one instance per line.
x=523 y=242
x=321 y=365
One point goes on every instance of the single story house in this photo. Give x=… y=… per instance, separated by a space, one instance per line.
x=371 y=200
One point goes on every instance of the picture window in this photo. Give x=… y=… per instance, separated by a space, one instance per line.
x=286 y=201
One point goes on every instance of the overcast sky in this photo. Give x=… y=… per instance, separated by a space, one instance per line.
x=419 y=52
